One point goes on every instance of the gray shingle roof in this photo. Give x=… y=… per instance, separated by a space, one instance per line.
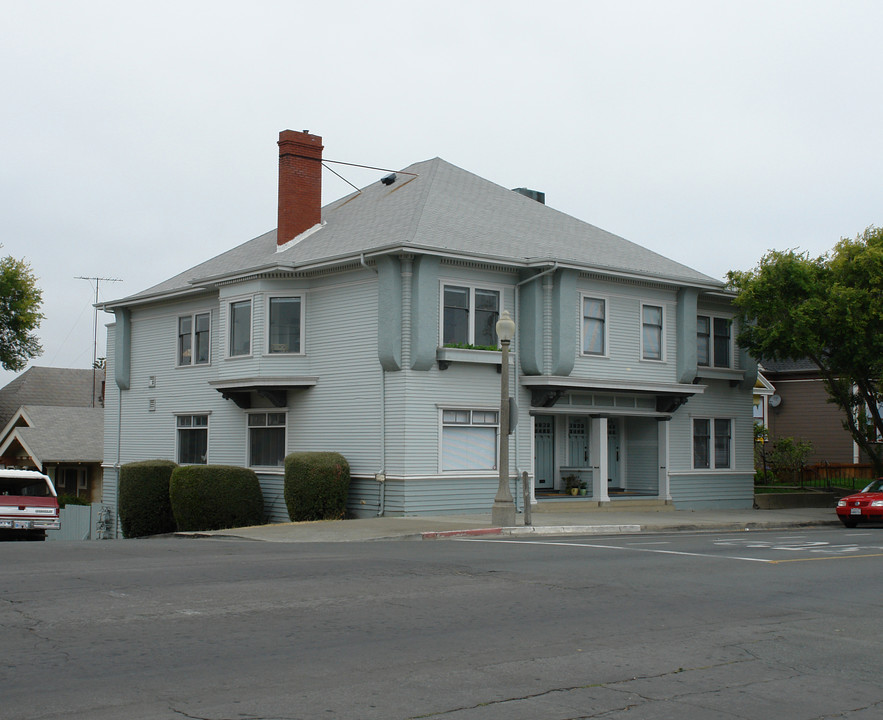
x=437 y=207
x=64 y=434
x=67 y=387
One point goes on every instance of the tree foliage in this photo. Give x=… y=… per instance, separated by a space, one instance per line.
x=20 y=315
x=829 y=310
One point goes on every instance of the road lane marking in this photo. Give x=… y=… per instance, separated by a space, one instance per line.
x=617 y=547
x=828 y=557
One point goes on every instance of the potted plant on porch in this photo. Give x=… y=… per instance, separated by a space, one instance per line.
x=571 y=485
x=583 y=488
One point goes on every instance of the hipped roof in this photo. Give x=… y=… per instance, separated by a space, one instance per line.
x=436 y=207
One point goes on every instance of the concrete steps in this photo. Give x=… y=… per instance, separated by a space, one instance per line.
x=555 y=505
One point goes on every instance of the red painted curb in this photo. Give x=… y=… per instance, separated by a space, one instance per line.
x=459 y=533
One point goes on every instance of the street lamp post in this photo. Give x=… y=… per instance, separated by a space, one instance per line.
x=503 y=511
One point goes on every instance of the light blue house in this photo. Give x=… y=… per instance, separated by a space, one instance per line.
x=359 y=328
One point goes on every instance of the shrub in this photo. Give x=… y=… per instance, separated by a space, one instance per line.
x=316 y=485
x=213 y=497
x=65 y=499
x=144 y=498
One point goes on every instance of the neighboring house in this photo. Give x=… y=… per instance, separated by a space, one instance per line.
x=354 y=327
x=50 y=424
x=800 y=408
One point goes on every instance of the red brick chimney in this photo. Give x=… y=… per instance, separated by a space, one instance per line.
x=300 y=184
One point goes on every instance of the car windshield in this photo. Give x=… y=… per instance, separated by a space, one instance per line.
x=30 y=487
x=876 y=486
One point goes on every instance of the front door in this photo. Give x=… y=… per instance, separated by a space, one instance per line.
x=544 y=452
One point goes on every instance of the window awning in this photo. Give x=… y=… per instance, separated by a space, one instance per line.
x=547 y=389
x=274 y=389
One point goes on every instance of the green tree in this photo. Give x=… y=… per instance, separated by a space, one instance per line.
x=828 y=309
x=20 y=315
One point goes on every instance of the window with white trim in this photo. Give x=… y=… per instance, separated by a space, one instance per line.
x=240 y=328
x=594 y=326
x=651 y=332
x=194 y=339
x=266 y=439
x=712 y=443
x=192 y=432
x=470 y=316
x=285 y=324
x=469 y=439
x=714 y=344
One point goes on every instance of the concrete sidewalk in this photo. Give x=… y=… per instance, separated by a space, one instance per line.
x=597 y=522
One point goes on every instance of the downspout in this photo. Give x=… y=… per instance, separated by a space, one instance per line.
x=116 y=512
x=516 y=374
x=380 y=476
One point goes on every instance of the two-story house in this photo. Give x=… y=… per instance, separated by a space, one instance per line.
x=367 y=327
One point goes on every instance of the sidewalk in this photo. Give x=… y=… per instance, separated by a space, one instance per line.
x=607 y=522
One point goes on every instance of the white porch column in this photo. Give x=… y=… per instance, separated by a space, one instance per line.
x=599 y=460
x=664 y=477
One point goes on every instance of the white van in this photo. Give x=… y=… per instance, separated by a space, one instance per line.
x=28 y=505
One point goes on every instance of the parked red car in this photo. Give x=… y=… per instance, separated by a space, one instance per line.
x=866 y=506
x=28 y=505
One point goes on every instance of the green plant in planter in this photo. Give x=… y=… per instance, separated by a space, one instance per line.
x=467 y=346
x=583 y=488
x=571 y=484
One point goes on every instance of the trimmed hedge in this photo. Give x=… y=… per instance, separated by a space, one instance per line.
x=316 y=485
x=213 y=497
x=144 y=498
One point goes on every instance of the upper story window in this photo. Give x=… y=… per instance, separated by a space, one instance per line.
x=240 y=328
x=266 y=439
x=714 y=346
x=469 y=439
x=192 y=439
x=594 y=326
x=194 y=339
x=285 y=325
x=651 y=332
x=470 y=316
x=712 y=440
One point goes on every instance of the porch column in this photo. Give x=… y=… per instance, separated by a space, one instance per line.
x=664 y=481
x=599 y=459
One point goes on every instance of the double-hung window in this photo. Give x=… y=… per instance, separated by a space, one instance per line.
x=651 y=332
x=240 y=328
x=266 y=439
x=470 y=316
x=714 y=341
x=594 y=326
x=712 y=443
x=192 y=439
x=194 y=339
x=469 y=439
x=285 y=325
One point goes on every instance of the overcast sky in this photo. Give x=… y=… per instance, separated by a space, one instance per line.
x=139 y=139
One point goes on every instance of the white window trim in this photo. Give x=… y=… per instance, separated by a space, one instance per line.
x=248 y=428
x=472 y=286
x=303 y=314
x=208 y=434
x=441 y=426
x=583 y=296
x=711 y=468
x=192 y=317
x=663 y=330
x=731 y=360
x=229 y=334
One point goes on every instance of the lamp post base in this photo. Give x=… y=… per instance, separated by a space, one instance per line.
x=503 y=513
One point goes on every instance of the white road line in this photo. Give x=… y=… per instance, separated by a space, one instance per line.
x=617 y=547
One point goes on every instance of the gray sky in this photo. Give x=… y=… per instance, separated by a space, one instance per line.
x=139 y=139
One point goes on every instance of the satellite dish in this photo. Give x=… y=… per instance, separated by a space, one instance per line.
x=775 y=401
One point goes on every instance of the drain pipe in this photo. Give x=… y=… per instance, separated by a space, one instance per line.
x=380 y=477
x=528 y=495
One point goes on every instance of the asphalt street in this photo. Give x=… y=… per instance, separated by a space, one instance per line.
x=764 y=624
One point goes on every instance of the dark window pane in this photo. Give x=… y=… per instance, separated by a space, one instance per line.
x=240 y=328
x=487 y=305
x=703 y=340
x=722 y=342
x=456 y=315
x=722 y=443
x=701 y=431
x=285 y=318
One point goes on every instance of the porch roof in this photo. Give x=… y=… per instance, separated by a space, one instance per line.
x=547 y=389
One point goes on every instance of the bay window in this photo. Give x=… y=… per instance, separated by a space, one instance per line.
x=240 y=328
x=285 y=325
x=470 y=316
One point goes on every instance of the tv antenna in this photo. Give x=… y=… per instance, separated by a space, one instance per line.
x=98 y=281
